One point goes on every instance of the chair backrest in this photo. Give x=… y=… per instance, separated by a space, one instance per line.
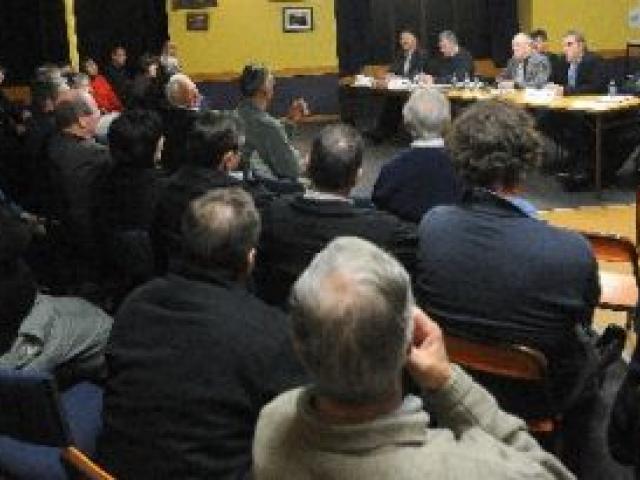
x=508 y=364
x=504 y=360
x=30 y=408
x=608 y=247
x=30 y=411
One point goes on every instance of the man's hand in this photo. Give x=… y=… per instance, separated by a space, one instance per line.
x=298 y=110
x=427 y=360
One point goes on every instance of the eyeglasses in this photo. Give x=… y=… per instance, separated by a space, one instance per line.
x=568 y=44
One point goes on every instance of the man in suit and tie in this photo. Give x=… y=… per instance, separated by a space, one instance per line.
x=409 y=63
x=412 y=59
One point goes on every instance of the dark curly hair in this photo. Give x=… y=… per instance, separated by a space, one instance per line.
x=492 y=143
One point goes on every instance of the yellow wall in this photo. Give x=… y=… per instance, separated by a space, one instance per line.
x=604 y=22
x=243 y=31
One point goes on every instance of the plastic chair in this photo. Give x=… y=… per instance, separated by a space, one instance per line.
x=30 y=411
x=525 y=365
x=618 y=290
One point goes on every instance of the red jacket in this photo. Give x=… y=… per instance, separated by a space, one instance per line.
x=104 y=95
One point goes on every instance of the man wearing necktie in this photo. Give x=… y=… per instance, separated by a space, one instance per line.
x=411 y=61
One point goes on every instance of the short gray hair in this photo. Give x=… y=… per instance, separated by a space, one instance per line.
x=426 y=113
x=219 y=229
x=177 y=89
x=351 y=314
x=449 y=36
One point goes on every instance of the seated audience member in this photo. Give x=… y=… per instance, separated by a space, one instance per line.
x=527 y=68
x=130 y=196
x=624 y=426
x=579 y=71
x=211 y=152
x=410 y=62
x=295 y=228
x=101 y=89
x=78 y=167
x=184 y=102
x=117 y=74
x=146 y=91
x=12 y=127
x=355 y=328
x=40 y=127
x=193 y=356
x=540 y=43
x=489 y=270
x=421 y=177
x=268 y=148
x=62 y=335
x=455 y=64
x=169 y=59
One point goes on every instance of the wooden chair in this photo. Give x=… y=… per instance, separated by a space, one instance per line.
x=619 y=290
x=30 y=411
x=509 y=362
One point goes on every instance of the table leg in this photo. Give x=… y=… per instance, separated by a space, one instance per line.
x=598 y=165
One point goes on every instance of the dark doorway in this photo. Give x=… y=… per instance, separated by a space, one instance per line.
x=140 y=26
x=32 y=32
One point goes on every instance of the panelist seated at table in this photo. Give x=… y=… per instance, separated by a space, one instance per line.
x=527 y=68
x=412 y=59
x=579 y=71
x=540 y=43
x=411 y=62
x=454 y=64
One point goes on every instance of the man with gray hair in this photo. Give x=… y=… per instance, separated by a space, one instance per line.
x=527 y=68
x=194 y=356
x=78 y=167
x=184 y=101
x=355 y=328
x=454 y=64
x=298 y=227
x=421 y=177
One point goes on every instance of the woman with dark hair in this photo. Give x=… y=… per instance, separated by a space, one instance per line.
x=101 y=89
x=129 y=196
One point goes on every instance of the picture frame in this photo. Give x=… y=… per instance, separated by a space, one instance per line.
x=193 y=4
x=297 y=19
x=197 y=21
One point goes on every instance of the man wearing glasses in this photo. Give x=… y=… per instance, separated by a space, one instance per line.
x=579 y=71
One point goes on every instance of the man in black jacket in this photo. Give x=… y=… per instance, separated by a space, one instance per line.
x=194 y=357
x=298 y=227
x=409 y=63
x=579 y=71
x=212 y=152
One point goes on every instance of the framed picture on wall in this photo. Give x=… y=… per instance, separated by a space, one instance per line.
x=197 y=22
x=297 y=19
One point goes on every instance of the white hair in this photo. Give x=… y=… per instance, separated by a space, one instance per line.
x=351 y=314
x=426 y=113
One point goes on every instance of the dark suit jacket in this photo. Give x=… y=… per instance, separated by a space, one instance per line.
x=589 y=79
x=414 y=181
x=417 y=65
x=489 y=271
x=443 y=69
x=294 y=229
x=177 y=123
x=192 y=359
